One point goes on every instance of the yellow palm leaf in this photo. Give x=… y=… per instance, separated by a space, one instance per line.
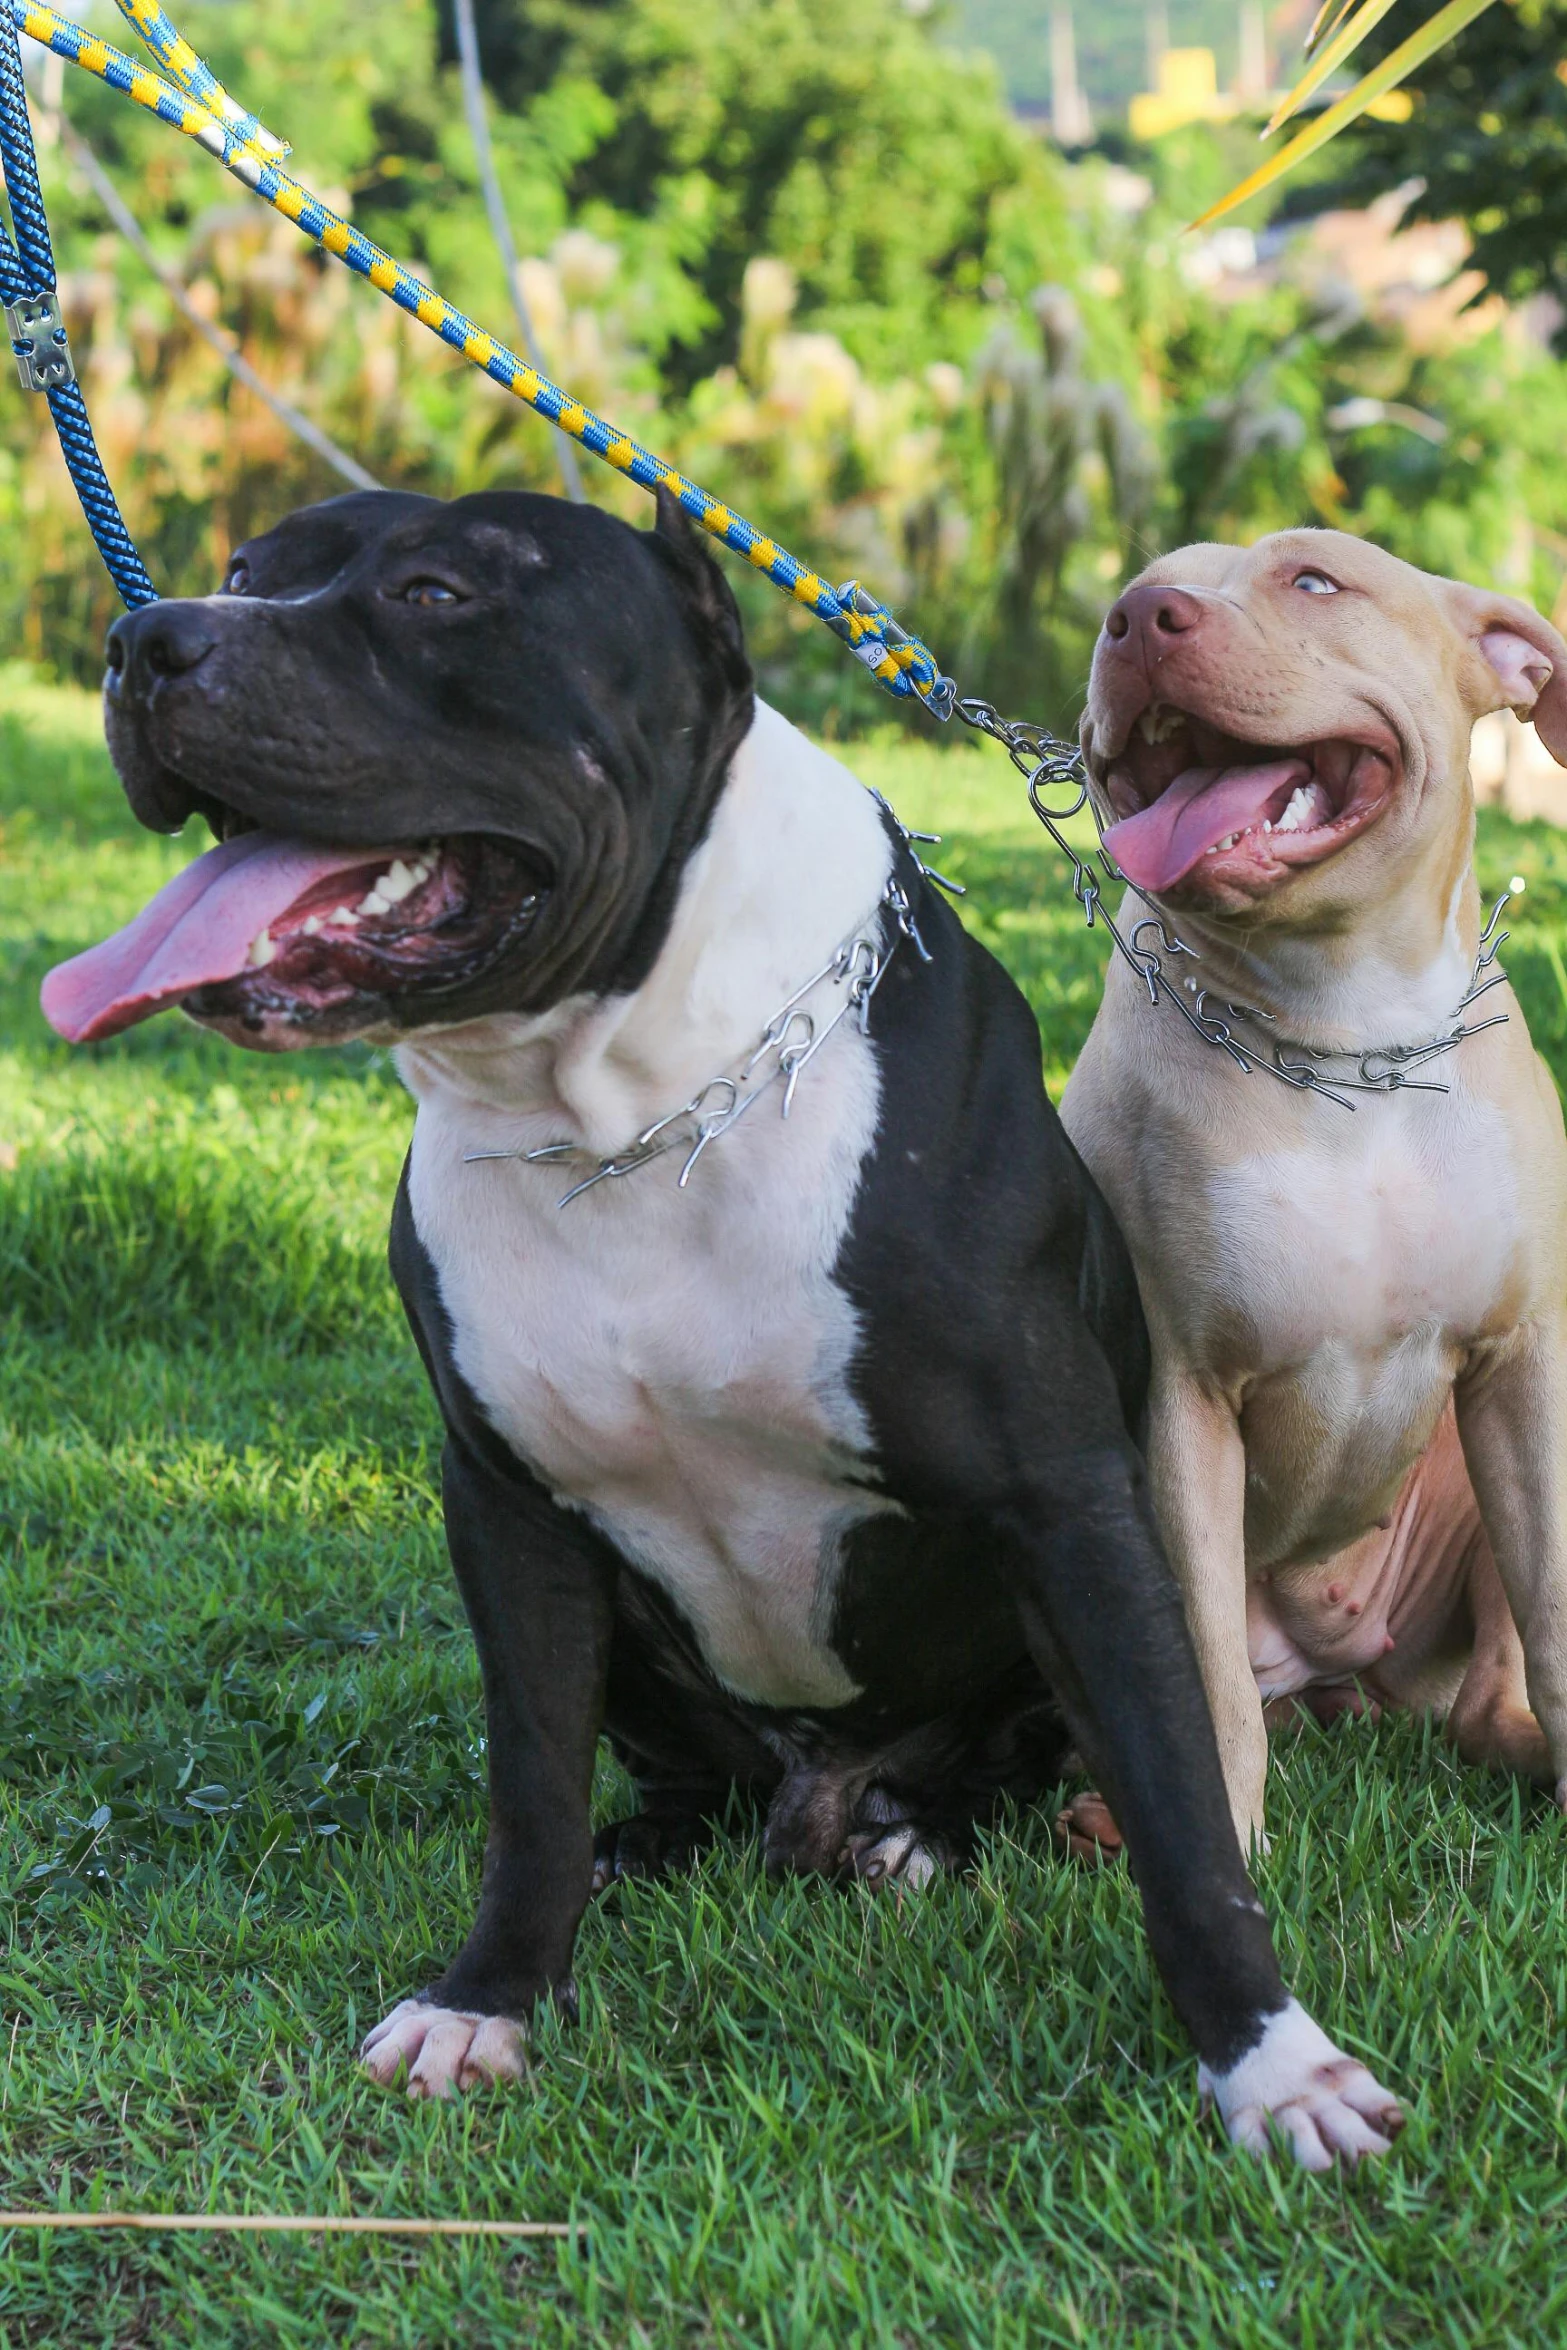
x=1362 y=21
x=1320 y=28
x=1405 y=59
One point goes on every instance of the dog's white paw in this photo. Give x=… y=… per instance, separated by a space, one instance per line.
x=1325 y=2103
x=442 y=2050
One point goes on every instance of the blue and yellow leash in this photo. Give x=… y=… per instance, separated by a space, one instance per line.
x=194 y=102
x=38 y=338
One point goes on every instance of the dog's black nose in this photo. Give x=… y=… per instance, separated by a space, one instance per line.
x=1150 y=614
x=161 y=640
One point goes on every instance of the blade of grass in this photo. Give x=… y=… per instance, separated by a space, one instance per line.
x=1403 y=60
x=279 y=2223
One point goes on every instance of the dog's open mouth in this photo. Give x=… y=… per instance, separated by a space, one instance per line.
x=280 y=942
x=1192 y=801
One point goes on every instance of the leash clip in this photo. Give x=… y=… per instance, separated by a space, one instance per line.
x=39 y=342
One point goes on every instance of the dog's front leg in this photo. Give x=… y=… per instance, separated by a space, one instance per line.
x=1512 y=1421
x=1104 y=1622
x=1197 y=1464
x=539 y=1589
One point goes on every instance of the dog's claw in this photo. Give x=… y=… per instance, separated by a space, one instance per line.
x=441 y=2051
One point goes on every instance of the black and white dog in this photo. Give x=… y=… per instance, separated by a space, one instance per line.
x=793 y=1449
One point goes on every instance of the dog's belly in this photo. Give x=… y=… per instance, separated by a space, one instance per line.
x=1390 y=1609
x=675 y=1364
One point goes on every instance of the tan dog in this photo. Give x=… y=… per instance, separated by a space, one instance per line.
x=1359 y=1320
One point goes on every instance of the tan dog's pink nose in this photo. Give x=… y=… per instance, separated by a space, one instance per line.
x=1148 y=619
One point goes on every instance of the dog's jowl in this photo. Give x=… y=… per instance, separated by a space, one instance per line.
x=786 y=1351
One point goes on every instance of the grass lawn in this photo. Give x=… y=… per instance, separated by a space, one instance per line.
x=241 y=1793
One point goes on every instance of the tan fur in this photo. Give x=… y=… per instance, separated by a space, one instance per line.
x=1339 y=1302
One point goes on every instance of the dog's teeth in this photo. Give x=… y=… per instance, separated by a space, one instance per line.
x=1158 y=722
x=396 y=884
x=343 y=914
x=310 y=925
x=1298 y=810
x=262 y=950
x=374 y=903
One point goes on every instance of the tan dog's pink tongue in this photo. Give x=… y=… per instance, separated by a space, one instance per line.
x=196 y=930
x=1158 y=846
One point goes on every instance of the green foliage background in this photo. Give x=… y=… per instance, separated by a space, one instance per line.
x=830 y=275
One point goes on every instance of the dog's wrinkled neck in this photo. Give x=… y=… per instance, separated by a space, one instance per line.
x=794 y=858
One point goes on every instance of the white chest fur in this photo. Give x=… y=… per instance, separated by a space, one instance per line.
x=675 y=1363
x=1360 y=1242
x=1354 y=1274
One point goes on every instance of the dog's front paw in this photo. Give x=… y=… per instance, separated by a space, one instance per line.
x=1325 y=2103
x=441 y=2051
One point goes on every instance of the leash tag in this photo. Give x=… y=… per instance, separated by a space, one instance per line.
x=40 y=343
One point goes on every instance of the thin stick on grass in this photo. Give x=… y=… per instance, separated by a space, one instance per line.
x=289 y=2223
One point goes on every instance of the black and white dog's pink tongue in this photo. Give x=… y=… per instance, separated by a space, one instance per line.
x=1158 y=846
x=197 y=930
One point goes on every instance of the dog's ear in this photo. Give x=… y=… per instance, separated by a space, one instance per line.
x=709 y=600
x=1525 y=657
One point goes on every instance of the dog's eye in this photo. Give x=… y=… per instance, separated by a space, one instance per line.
x=238 y=579
x=430 y=591
x=1315 y=583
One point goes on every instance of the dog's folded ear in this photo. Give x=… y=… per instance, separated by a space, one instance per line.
x=711 y=607
x=1526 y=657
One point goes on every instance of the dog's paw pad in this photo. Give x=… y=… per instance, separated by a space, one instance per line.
x=1086 y=1831
x=441 y=2051
x=1326 y=2105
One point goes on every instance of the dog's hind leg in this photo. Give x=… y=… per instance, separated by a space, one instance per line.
x=694 y=1761
x=1512 y=1418
x=1490 y=1721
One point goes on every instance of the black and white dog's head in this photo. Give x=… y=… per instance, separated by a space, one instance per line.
x=456 y=756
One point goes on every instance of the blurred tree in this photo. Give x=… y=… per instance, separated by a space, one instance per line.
x=871 y=160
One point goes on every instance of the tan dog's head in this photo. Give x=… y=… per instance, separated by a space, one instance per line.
x=1275 y=731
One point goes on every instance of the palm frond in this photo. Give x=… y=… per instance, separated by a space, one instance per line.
x=1403 y=60
x=1340 y=44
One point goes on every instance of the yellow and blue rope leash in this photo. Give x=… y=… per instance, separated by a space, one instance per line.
x=195 y=103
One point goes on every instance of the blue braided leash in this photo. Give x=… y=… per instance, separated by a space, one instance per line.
x=38 y=337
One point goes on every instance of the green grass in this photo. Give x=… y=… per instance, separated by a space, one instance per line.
x=240 y=1783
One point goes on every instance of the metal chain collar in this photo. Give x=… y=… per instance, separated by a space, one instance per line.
x=788 y=1044
x=1045 y=761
